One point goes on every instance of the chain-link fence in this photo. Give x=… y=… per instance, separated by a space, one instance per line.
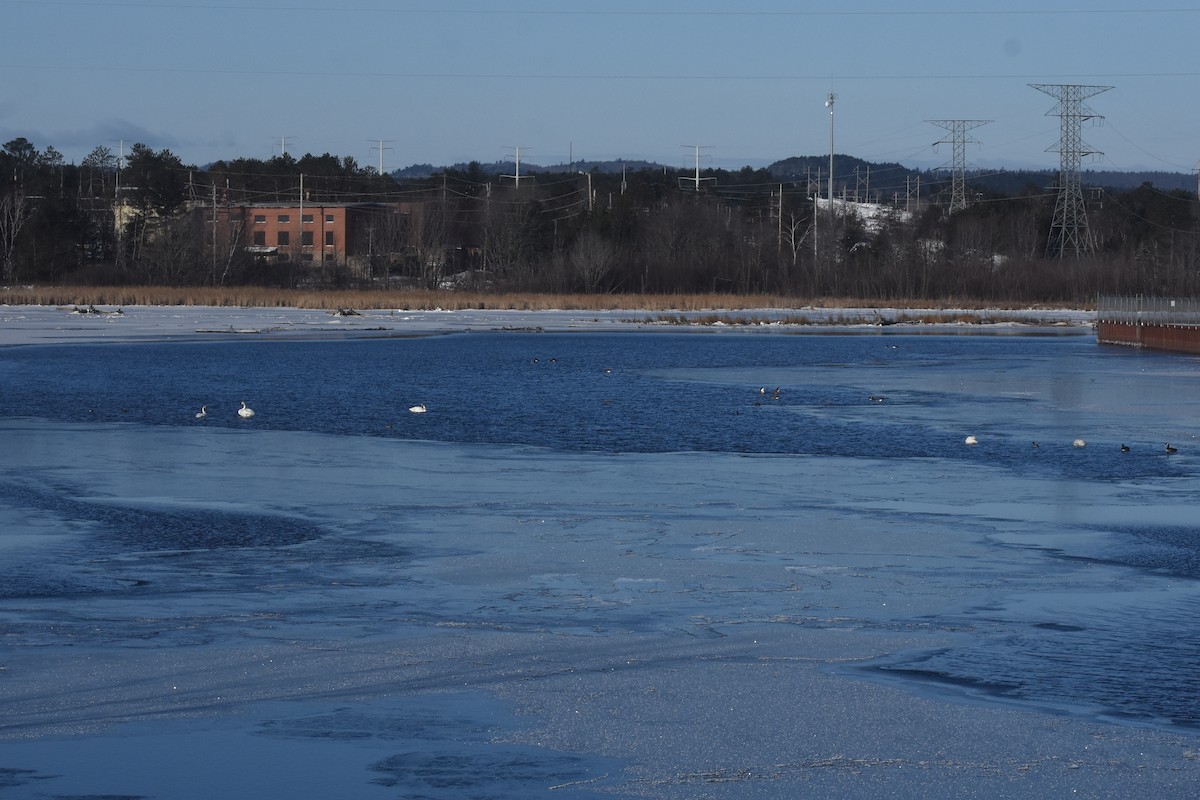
x=1148 y=310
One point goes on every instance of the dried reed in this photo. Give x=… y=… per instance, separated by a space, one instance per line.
x=416 y=300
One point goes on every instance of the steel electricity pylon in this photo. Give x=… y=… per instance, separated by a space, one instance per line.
x=959 y=137
x=1069 y=233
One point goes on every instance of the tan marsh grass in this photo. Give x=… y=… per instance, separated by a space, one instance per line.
x=417 y=300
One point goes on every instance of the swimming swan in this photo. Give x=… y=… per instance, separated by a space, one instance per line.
x=970 y=440
x=244 y=412
x=1079 y=443
x=417 y=409
x=202 y=413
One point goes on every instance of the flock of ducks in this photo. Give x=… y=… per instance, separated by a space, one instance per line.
x=1167 y=448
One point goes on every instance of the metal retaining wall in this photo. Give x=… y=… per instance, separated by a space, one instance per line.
x=1158 y=323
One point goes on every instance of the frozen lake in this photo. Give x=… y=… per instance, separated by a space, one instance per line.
x=605 y=563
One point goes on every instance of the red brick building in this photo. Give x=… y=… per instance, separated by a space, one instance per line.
x=341 y=234
x=296 y=233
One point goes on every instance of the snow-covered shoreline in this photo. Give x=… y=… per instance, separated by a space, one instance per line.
x=28 y=324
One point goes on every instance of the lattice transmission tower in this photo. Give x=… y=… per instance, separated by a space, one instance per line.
x=959 y=137
x=1069 y=233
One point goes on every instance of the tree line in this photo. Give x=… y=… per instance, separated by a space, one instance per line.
x=144 y=217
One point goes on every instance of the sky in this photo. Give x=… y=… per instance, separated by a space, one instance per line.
x=448 y=81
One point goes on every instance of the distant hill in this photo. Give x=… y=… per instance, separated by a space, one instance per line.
x=848 y=169
x=799 y=168
x=527 y=168
x=849 y=172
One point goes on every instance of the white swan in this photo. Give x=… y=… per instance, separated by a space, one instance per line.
x=244 y=412
x=417 y=409
x=202 y=413
x=970 y=440
x=1079 y=443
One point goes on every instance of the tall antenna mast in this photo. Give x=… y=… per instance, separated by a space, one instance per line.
x=959 y=137
x=283 y=145
x=697 y=179
x=1069 y=233
x=381 y=148
x=829 y=104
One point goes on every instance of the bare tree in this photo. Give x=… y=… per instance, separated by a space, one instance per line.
x=428 y=236
x=14 y=213
x=170 y=250
x=99 y=165
x=592 y=258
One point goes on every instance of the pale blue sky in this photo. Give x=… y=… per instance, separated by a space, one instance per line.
x=444 y=82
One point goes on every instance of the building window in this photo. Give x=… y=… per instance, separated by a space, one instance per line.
x=306 y=238
x=306 y=256
x=260 y=219
x=329 y=218
x=329 y=256
x=260 y=238
x=306 y=219
x=284 y=239
x=329 y=238
x=283 y=219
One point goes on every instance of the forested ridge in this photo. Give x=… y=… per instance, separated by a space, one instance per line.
x=144 y=217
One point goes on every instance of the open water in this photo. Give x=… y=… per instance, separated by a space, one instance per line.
x=127 y=524
x=896 y=397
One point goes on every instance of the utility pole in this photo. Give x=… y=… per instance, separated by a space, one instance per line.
x=959 y=137
x=588 y=175
x=381 y=149
x=517 y=177
x=814 y=190
x=697 y=179
x=119 y=208
x=1069 y=233
x=862 y=181
x=779 y=224
x=912 y=186
x=214 y=234
x=120 y=160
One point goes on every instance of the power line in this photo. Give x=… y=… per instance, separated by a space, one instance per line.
x=585 y=12
x=891 y=76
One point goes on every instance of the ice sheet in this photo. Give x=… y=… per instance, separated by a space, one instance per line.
x=669 y=623
x=195 y=611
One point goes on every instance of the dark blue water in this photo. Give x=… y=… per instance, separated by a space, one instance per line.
x=845 y=395
x=887 y=398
